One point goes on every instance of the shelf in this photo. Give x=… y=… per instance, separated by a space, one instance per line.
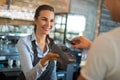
x=9 y=54
x=59 y=32
x=9 y=50
x=7 y=20
x=10 y=69
x=72 y=33
x=12 y=35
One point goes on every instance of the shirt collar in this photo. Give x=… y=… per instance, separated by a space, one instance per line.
x=33 y=37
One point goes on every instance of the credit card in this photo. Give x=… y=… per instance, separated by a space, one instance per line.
x=71 y=42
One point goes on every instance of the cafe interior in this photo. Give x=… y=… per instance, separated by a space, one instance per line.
x=73 y=18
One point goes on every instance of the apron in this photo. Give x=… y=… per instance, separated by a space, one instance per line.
x=46 y=75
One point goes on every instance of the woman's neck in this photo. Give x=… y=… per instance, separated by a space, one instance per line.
x=40 y=38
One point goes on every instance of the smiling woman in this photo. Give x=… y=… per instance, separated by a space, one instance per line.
x=34 y=50
x=44 y=22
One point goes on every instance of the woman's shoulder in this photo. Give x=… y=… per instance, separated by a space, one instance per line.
x=25 y=39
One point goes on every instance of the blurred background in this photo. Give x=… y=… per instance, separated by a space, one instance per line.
x=73 y=18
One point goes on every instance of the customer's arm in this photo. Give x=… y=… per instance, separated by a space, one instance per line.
x=81 y=43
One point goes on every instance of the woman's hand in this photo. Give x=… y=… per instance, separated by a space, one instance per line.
x=49 y=56
x=81 y=42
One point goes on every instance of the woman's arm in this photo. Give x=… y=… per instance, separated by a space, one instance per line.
x=25 y=55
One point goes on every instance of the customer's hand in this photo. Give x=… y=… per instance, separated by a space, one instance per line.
x=49 y=56
x=81 y=42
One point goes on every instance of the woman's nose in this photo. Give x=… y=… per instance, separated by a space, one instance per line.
x=48 y=23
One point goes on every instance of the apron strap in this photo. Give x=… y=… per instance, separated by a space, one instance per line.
x=46 y=75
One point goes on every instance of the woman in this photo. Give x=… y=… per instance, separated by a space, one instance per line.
x=34 y=50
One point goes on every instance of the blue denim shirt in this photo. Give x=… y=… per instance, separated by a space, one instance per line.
x=26 y=58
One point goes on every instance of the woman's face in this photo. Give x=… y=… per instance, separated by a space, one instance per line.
x=44 y=22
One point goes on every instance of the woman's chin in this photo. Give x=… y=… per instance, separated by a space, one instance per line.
x=46 y=33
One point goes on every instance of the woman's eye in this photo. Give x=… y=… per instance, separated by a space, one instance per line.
x=44 y=19
x=52 y=21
